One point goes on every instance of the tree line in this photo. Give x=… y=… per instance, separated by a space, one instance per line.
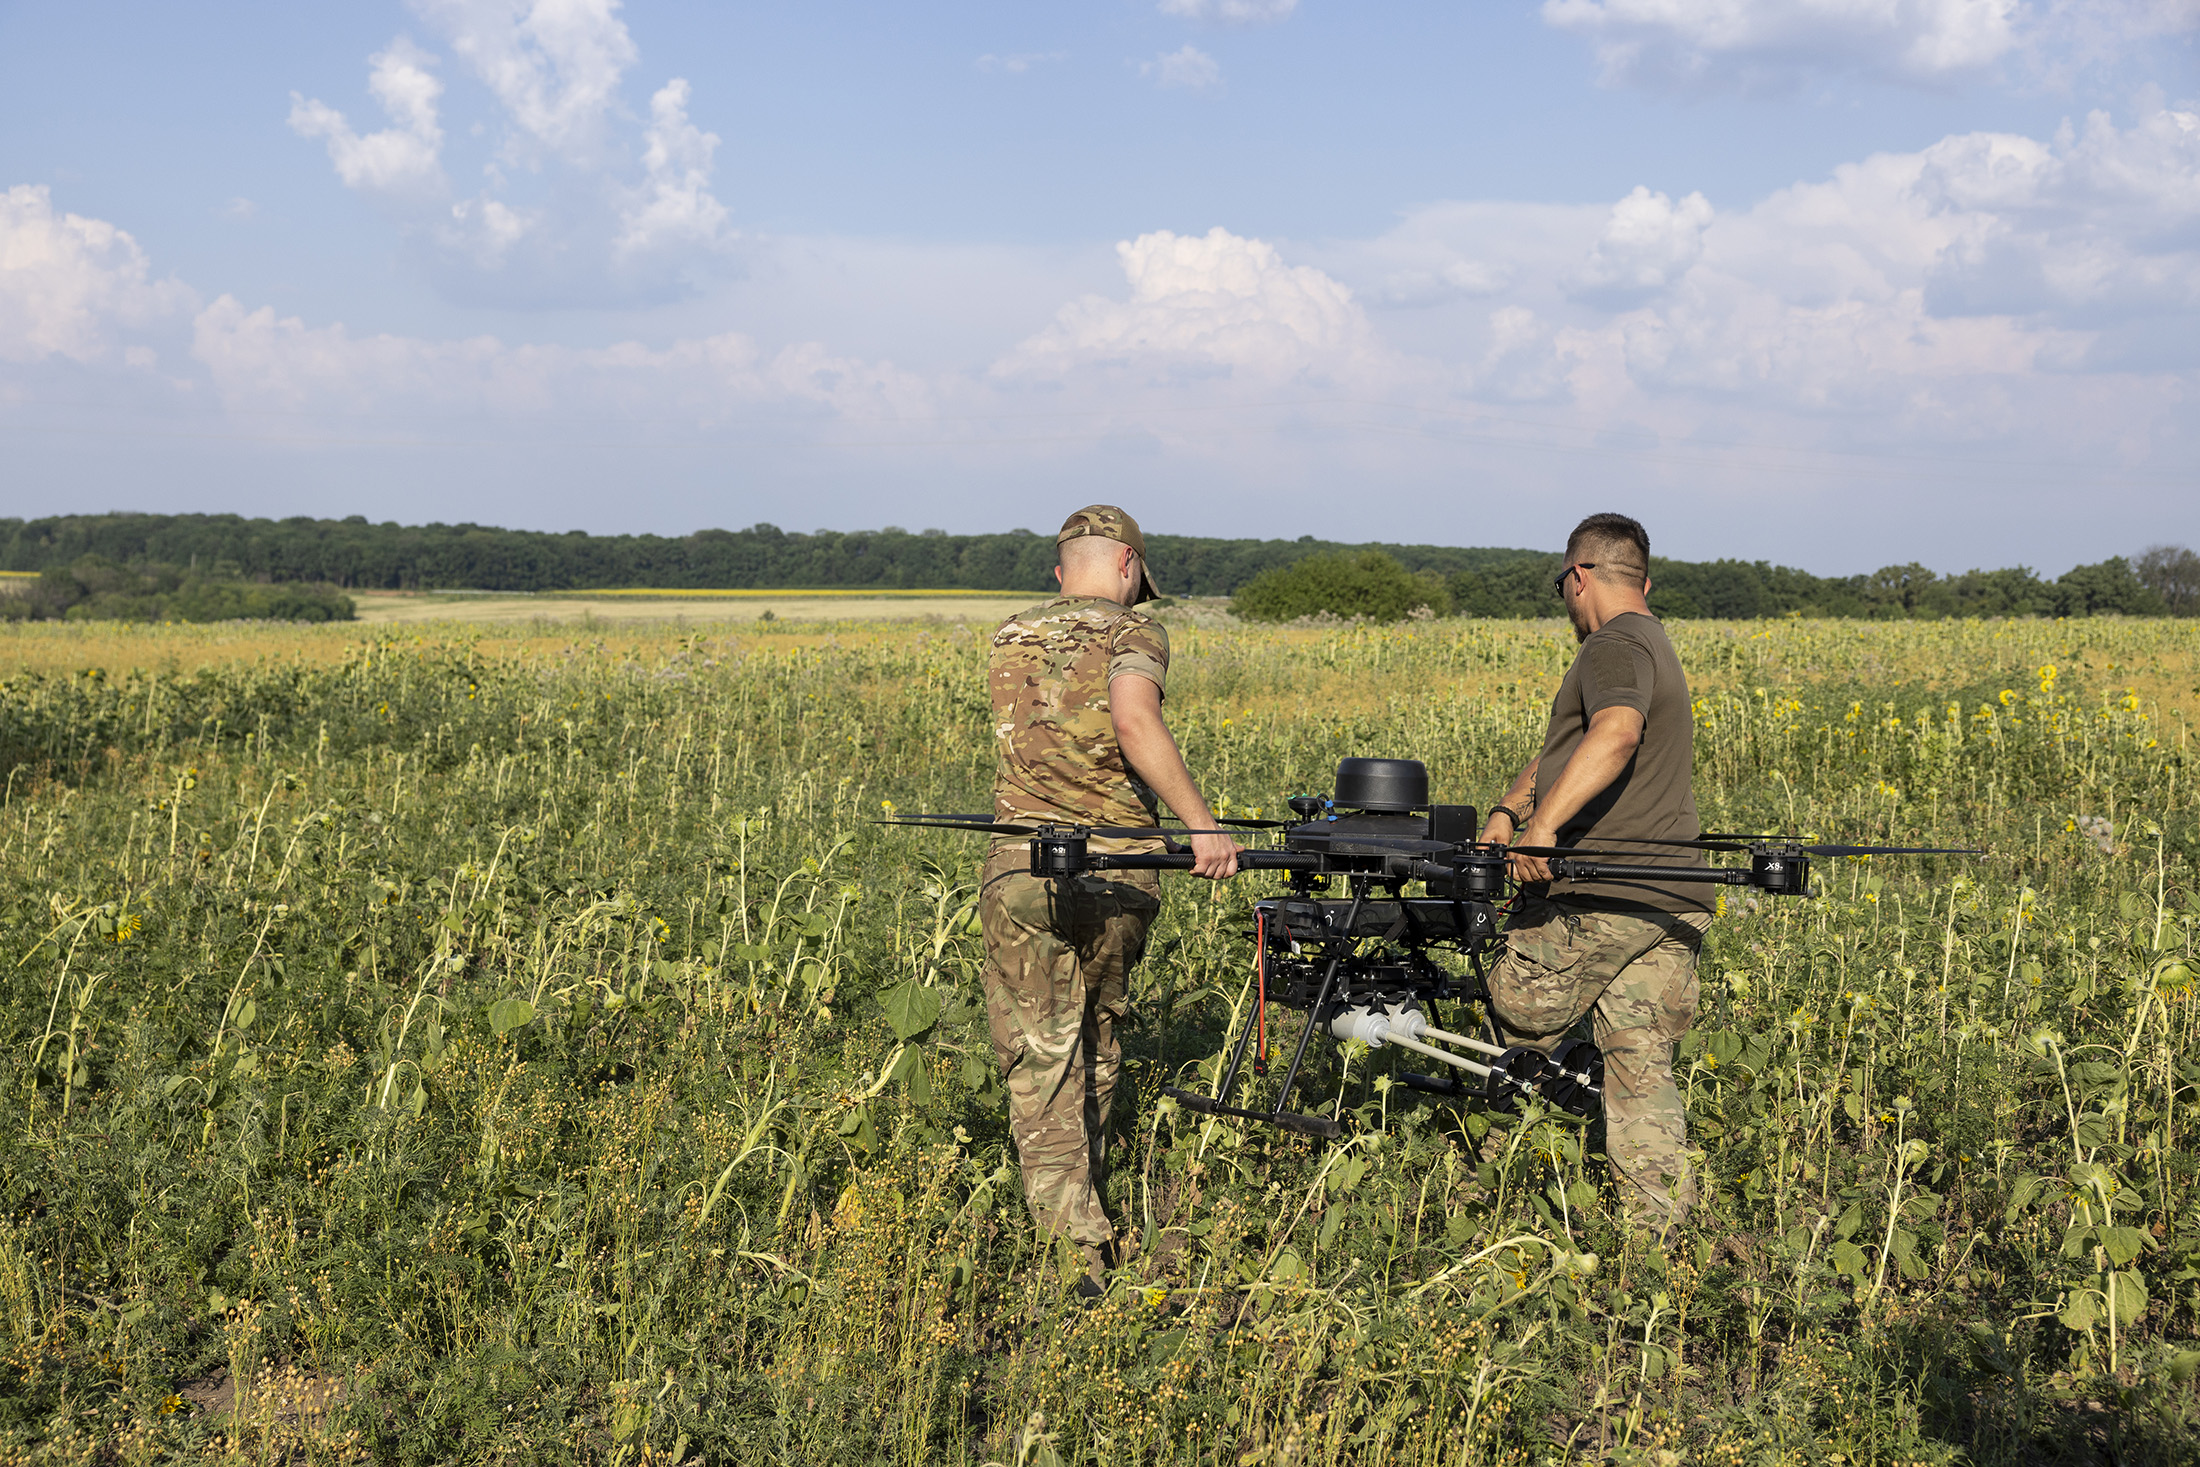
x=354 y=554
x=94 y=588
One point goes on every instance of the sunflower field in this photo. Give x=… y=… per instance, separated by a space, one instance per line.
x=442 y=1049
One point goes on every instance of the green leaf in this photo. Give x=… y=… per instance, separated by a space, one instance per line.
x=1852 y=1218
x=508 y=1014
x=975 y=1072
x=2130 y=1293
x=2081 y=1310
x=2124 y=1244
x=2076 y=1241
x=1345 y=1176
x=246 y=1013
x=418 y=1100
x=912 y=1070
x=1848 y=1259
x=1854 y=1105
x=911 y=1008
x=1921 y=1204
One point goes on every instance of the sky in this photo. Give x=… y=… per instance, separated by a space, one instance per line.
x=1832 y=283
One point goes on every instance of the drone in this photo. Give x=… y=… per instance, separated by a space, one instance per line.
x=1356 y=949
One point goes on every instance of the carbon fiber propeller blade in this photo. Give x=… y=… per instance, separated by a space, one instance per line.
x=1891 y=851
x=1742 y=843
x=985 y=826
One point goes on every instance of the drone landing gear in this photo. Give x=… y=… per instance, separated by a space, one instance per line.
x=1218 y=1104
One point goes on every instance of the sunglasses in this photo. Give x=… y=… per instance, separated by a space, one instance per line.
x=1558 y=587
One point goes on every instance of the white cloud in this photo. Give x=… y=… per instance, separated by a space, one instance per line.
x=1990 y=305
x=1647 y=244
x=677 y=208
x=1230 y=12
x=615 y=221
x=1761 y=44
x=1017 y=63
x=1189 y=69
x=261 y=361
x=1214 y=299
x=1683 y=42
x=73 y=287
x=402 y=162
x=555 y=65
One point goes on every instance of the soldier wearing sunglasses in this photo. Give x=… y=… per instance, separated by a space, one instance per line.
x=1615 y=769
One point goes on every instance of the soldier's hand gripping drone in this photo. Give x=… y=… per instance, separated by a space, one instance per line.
x=1354 y=945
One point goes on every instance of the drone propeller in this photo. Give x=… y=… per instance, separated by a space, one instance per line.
x=985 y=825
x=1733 y=843
x=1891 y=851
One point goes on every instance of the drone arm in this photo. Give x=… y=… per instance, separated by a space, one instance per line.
x=1573 y=870
x=1184 y=861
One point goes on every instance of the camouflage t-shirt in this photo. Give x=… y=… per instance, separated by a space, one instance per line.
x=1053 y=728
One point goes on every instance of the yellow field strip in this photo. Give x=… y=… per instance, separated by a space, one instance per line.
x=866 y=593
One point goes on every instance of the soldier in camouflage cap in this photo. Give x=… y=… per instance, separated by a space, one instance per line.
x=1615 y=772
x=1076 y=685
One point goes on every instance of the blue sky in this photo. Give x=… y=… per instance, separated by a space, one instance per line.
x=1836 y=283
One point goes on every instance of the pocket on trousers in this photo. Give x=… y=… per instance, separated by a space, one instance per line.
x=1028 y=901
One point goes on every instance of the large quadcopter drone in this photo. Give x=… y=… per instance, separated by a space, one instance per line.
x=1352 y=949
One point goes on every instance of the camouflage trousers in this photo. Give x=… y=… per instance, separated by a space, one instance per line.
x=1057 y=981
x=1635 y=974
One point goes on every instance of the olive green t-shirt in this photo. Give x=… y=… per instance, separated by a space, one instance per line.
x=1629 y=662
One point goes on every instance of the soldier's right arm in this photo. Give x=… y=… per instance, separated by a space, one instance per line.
x=1151 y=751
x=1520 y=800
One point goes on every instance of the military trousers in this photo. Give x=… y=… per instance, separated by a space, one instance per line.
x=1634 y=974
x=1057 y=982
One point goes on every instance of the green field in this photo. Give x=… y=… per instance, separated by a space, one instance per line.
x=436 y=1049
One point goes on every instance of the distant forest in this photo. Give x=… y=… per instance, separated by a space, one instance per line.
x=355 y=554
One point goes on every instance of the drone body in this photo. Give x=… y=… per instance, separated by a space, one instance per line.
x=1356 y=950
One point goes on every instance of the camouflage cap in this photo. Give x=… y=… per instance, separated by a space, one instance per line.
x=1110 y=523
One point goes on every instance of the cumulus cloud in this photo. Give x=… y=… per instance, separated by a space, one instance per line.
x=1230 y=12
x=1188 y=69
x=75 y=288
x=569 y=212
x=1647 y=244
x=554 y=65
x=1948 y=287
x=676 y=207
x=1215 y=300
x=1759 y=42
x=1771 y=44
x=1990 y=296
x=401 y=162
